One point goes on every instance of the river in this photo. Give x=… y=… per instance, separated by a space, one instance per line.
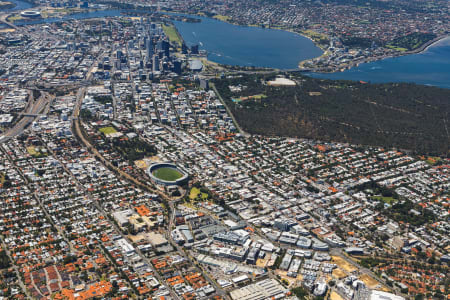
x=430 y=67
x=77 y=16
x=20 y=5
x=254 y=46
x=247 y=46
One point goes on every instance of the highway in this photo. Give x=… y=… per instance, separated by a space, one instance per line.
x=241 y=131
x=3 y=20
x=118 y=230
x=33 y=111
x=77 y=131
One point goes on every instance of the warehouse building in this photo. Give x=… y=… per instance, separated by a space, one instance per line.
x=265 y=289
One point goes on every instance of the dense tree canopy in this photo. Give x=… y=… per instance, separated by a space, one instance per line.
x=405 y=116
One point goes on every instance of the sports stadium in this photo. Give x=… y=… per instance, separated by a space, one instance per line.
x=31 y=14
x=167 y=174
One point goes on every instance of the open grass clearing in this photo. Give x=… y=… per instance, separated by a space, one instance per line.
x=194 y=193
x=167 y=174
x=14 y=18
x=107 y=130
x=397 y=48
x=388 y=200
x=221 y=18
x=172 y=34
x=32 y=151
x=190 y=205
x=36 y=152
x=254 y=97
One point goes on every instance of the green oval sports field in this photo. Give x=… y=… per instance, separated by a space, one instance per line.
x=167 y=174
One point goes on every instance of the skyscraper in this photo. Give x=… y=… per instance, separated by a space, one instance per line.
x=149 y=48
x=177 y=66
x=155 y=63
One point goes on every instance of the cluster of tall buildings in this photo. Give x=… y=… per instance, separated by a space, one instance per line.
x=157 y=49
x=148 y=53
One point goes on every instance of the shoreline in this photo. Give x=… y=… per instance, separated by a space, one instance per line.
x=325 y=53
x=353 y=64
x=350 y=65
x=54 y=15
x=433 y=42
x=7 y=5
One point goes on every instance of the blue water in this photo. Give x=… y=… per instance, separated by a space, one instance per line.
x=247 y=46
x=252 y=46
x=77 y=16
x=431 y=67
x=20 y=5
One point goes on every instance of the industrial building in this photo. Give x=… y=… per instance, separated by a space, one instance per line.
x=265 y=289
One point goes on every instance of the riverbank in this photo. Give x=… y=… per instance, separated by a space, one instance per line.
x=248 y=46
x=222 y=57
x=216 y=55
x=326 y=51
x=173 y=34
x=7 y=5
x=370 y=59
x=433 y=42
x=50 y=15
x=17 y=5
x=428 y=67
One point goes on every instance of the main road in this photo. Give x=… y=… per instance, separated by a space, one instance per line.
x=28 y=117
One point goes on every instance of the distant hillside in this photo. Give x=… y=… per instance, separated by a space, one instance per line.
x=406 y=116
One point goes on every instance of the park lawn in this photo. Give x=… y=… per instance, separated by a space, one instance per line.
x=14 y=18
x=2 y=179
x=388 y=200
x=32 y=151
x=221 y=18
x=107 y=130
x=254 y=97
x=172 y=33
x=36 y=153
x=259 y=96
x=190 y=205
x=397 y=48
x=313 y=35
x=167 y=174
x=194 y=193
